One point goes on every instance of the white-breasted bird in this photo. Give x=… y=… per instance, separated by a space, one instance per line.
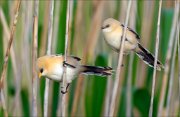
x=113 y=32
x=51 y=66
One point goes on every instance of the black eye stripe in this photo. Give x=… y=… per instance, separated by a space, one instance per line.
x=107 y=25
x=41 y=70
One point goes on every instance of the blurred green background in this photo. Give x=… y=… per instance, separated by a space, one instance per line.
x=86 y=42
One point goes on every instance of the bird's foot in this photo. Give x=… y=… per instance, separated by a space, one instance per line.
x=64 y=92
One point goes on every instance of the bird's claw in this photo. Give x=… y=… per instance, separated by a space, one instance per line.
x=64 y=92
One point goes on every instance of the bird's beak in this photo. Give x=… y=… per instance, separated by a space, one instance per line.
x=39 y=75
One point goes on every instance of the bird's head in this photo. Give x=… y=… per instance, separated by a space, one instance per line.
x=109 y=25
x=50 y=66
x=42 y=66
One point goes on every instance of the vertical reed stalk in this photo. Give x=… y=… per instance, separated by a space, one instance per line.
x=130 y=66
x=7 y=56
x=63 y=101
x=168 y=58
x=55 y=26
x=34 y=58
x=48 y=52
x=178 y=60
x=43 y=40
x=10 y=43
x=26 y=51
x=171 y=80
x=178 y=37
x=129 y=87
x=54 y=43
x=89 y=48
x=7 y=34
x=155 y=62
x=108 y=89
x=117 y=83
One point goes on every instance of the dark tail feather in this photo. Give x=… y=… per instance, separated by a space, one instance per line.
x=147 y=57
x=96 y=70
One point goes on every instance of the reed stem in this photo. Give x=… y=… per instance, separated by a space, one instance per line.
x=34 y=58
x=118 y=82
x=167 y=64
x=64 y=96
x=4 y=69
x=48 y=52
x=156 y=57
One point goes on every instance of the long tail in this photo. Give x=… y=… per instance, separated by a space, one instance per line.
x=147 y=57
x=96 y=70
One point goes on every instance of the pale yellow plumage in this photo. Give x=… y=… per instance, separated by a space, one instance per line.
x=51 y=66
x=113 y=32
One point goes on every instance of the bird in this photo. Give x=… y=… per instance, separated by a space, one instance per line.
x=113 y=31
x=52 y=67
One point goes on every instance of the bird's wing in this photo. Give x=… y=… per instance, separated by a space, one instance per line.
x=132 y=31
x=75 y=57
x=73 y=60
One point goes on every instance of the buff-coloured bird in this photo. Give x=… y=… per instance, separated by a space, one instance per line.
x=113 y=32
x=51 y=66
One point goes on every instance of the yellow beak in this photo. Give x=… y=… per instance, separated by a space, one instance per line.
x=39 y=75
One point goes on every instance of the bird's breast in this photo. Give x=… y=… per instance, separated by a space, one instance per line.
x=57 y=73
x=113 y=40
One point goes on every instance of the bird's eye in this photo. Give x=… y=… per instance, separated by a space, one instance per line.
x=41 y=70
x=107 y=25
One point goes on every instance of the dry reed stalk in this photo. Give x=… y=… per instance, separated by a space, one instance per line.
x=10 y=43
x=3 y=103
x=54 y=45
x=108 y=89
x=68 y=51
x=43 y=39
x=178 y=61
x=129 y=87
x=55 y=26
x=7 y=55
x=130 y=66
x=16 y=105
x=34 y=58
x=48 y=52
x=156 y=56
x=146 y=37
x=166 y=69
x=90 y=48
x=79 y=83
x=78 y=22
x=95 y=30
x=171 y=80
x=117 y=83
x=26 y=52
x=178 y=37
x=27 y=48
x=14 y=63
x=63 y=99
x=7 y=34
